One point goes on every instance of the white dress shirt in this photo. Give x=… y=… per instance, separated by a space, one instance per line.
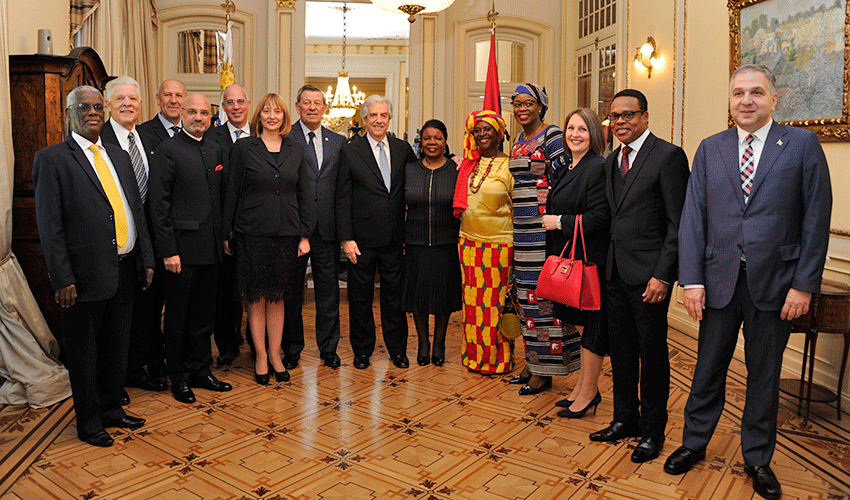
x=317 y=142
x=167 y=124
x=635 y=146
x=758 y=143
x=246 y=129
x=131 y=223
x=124 y=141
x=376 y=151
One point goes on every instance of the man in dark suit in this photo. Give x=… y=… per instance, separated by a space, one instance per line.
x=370 y=225
x=323 y=153
x=645 y=185
x=753 y=241
x=97 y=250
x=124 y=100
x=166 y=123
x=186 y=204
x=228 y=314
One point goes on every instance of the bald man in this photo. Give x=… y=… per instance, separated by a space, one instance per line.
x=185 y=191
x=166 y=123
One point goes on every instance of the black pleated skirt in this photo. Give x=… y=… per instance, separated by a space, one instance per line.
x=595 y=323
x=431 y=279
x=266 y=267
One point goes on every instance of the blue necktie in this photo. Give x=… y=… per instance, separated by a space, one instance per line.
x=384 y=165
x=311 y=150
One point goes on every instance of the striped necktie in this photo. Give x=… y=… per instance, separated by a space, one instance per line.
x=624 y=162
x=748 y=168
x=112 y=194
x=138 y=167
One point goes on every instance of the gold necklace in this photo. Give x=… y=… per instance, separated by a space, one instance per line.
x=472 y=185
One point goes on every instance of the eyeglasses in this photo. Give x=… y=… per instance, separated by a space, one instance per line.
x=231 y=102
x=625 y=115
x=84 y=107
x=524 y=104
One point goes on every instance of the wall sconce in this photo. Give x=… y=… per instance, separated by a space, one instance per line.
x=647 y=56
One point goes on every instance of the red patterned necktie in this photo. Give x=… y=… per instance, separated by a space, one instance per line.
x=748 y=168
x=624 y=162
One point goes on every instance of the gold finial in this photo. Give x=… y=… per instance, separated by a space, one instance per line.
x=492 y=15
x=229 y=8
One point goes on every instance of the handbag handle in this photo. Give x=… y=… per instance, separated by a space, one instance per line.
x=577 y=229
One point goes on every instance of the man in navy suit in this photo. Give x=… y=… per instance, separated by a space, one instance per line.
x=753 y=241
x=370 y=224
x=166 y=124
x=228 y=311
x=323 y=153
x=645 y=185
x=124 y=100
x=97 y=251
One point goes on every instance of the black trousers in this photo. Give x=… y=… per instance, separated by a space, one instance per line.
x=146 y=340
x=765 y=338
x=637 y=339
x=388 y=261
x=324 y=258
x=96 y=336
x=189 y=319
x=228 y=311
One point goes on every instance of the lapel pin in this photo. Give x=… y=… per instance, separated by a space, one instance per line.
x=779 y=142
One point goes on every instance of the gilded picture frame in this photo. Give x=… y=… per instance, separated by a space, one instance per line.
x=806 y=43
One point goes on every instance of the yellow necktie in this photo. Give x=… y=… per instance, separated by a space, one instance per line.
x=112 y=194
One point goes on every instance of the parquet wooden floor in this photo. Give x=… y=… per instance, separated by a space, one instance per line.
x=424 y=433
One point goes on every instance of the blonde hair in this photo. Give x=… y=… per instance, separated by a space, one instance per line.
x=274 y=101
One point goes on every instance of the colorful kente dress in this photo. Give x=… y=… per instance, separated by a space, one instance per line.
x=486 y=252
x=551 y=348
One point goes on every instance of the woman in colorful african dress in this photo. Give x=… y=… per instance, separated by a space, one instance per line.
x=482 y=201
x=537 y=157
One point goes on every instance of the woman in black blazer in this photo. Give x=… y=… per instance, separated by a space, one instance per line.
x=580 y=189
x=269 y=214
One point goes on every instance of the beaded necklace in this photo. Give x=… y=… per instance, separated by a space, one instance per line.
x=472 y=185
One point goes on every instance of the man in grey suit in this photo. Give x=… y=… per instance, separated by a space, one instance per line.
x=753 y=241
x=97 y=252
x=323 y=153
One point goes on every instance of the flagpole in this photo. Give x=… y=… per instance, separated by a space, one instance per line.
x=228 y=76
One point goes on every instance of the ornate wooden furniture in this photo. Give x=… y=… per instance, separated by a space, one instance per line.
x=39 y=85
x=829 y=313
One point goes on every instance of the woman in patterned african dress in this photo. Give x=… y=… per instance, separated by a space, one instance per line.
x=483 y=203
x=537 y=157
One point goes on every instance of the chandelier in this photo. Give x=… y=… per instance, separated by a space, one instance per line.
x=413 y=7
x=344 y=103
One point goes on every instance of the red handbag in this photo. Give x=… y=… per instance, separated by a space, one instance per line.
x=571 y=282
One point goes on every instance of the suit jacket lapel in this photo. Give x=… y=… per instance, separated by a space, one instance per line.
x=397 y=162
x=285 y=151
x=363 y=147
x=609 y=179
x=634 y=169
x=328 y=153
x=732 y=162
x=87 y=167
x=772 y=148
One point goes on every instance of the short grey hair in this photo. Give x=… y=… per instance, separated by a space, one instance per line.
x=755 y=68
x=310 y=88
x=374 y=99
x=122 y=80
x=73 y=97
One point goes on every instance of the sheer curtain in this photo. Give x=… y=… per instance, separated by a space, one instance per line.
x=29 y=370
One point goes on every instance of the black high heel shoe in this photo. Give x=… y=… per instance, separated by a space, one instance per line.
x=519 y=380
x=261 y=379
x=565 y=403
x=281 y=376
x=527 y=390
x=423 y=360
x=438 y=360
x=594 y=403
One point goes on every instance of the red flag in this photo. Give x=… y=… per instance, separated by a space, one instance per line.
x=492 y=99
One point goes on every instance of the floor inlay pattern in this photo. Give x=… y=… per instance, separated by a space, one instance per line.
x=424 y=433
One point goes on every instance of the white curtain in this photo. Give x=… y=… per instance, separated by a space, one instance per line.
x=29 y=370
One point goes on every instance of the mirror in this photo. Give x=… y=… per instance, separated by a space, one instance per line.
x=200 y=51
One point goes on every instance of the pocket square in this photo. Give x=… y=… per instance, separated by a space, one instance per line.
x=219 y=168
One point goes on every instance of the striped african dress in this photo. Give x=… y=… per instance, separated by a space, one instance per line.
x=551 y=348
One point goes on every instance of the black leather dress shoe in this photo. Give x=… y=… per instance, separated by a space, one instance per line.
x=126 y=422
x=226 y=358
x=183 y=393
x=528 y=390
x=648 y=449
x=764 y=481
x=290 y=362
x=681 y=460
x=361 y=362
x=209 y=382
x=102 y=438
x=143 y=381
x=125 y=398
x=401 y=361
x=331 y=359
x=616 y=431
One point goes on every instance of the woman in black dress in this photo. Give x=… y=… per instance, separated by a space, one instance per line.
x=269 y=212
x=432 y=266
x=580 y=189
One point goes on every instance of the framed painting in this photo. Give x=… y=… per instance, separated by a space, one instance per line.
x=805 y=43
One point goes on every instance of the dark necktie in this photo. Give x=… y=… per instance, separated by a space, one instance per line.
x=311 y=150
x=748 y=168
x=138 y=167
x=175 y=129
x=238 y=133
x=624 y=162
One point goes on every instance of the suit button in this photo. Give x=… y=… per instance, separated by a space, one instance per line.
x=277 y=193
x=111 y=217
x=113 y=242
x=617 y=217
x=213 y=204
x=276 y=176
x=746 y=217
